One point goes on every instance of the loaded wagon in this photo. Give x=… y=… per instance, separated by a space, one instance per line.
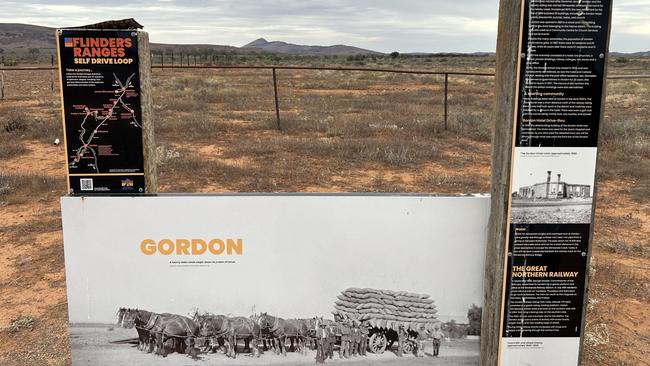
x=382 y=312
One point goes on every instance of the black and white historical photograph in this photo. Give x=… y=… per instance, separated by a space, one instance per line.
x=552 y=185
x=359 y=280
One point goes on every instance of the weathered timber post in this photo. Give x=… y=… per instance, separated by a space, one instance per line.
x=148 y=140
x=505 y=84
x=277 y=103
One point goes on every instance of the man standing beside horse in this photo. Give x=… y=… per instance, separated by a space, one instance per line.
x=322 y=335
x=345 y=333
x=355 y=339
x=363 y=346
x=331 y=340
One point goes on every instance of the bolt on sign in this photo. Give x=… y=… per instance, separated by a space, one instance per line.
x=102 y=115
x=561 y=68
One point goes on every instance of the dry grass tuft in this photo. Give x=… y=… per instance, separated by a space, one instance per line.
x=625 y=282
x=17 y=124
x=635 y=249
x=190 y=172
x=19 y=188
x=596 y=335
x=381 y=184
x=45 y=224
x=19 y=323
x=9 y=147
x=453 y=182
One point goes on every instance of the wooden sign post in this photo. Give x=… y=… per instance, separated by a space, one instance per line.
x=105 y=75
x=551 y=67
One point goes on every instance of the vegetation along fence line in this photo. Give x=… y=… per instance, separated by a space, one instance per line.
x=274 y=68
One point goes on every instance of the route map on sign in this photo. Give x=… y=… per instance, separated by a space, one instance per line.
x=100 y=88
x=96 y=122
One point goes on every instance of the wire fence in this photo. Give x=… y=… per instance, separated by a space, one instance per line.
x=192 y=62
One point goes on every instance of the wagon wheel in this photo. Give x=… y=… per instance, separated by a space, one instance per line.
x=377 y=343
x=409 y=346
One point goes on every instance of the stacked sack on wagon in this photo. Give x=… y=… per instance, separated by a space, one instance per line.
x=387 y=309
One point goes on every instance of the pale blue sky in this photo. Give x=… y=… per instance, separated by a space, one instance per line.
x=382 y=25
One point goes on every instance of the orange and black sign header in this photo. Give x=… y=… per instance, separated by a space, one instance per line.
x=98 y=46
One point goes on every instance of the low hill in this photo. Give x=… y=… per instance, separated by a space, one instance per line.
x=296 y=49
x=21 y=37
x=15 y=36
x=194 y=47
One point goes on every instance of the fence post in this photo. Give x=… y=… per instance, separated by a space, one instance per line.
x=52 y=74
x=162 y=59
x=277 y=103
x=446 y=91
x=2 y=85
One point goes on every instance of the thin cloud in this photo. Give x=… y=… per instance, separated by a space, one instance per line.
x=383 y=25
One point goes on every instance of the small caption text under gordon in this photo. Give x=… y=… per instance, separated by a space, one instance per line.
x=199 y=263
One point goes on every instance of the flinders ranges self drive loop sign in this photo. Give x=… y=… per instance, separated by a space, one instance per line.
x=100 y=87
x=562 y=56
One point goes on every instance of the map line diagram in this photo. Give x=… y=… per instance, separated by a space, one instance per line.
x=93 y=115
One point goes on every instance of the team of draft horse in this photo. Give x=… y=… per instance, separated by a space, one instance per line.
x=158 y=333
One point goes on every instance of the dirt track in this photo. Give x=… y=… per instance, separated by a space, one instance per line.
x=91 y=346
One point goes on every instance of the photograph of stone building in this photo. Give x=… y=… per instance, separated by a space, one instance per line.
x=553 y=185
x=554 y=189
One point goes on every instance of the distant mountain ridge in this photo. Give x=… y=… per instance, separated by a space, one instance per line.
x=16 y=36
x=25 y=36
x=21 y=37
x=297 y=49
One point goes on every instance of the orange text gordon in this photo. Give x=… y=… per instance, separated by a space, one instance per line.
x=192 y=246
